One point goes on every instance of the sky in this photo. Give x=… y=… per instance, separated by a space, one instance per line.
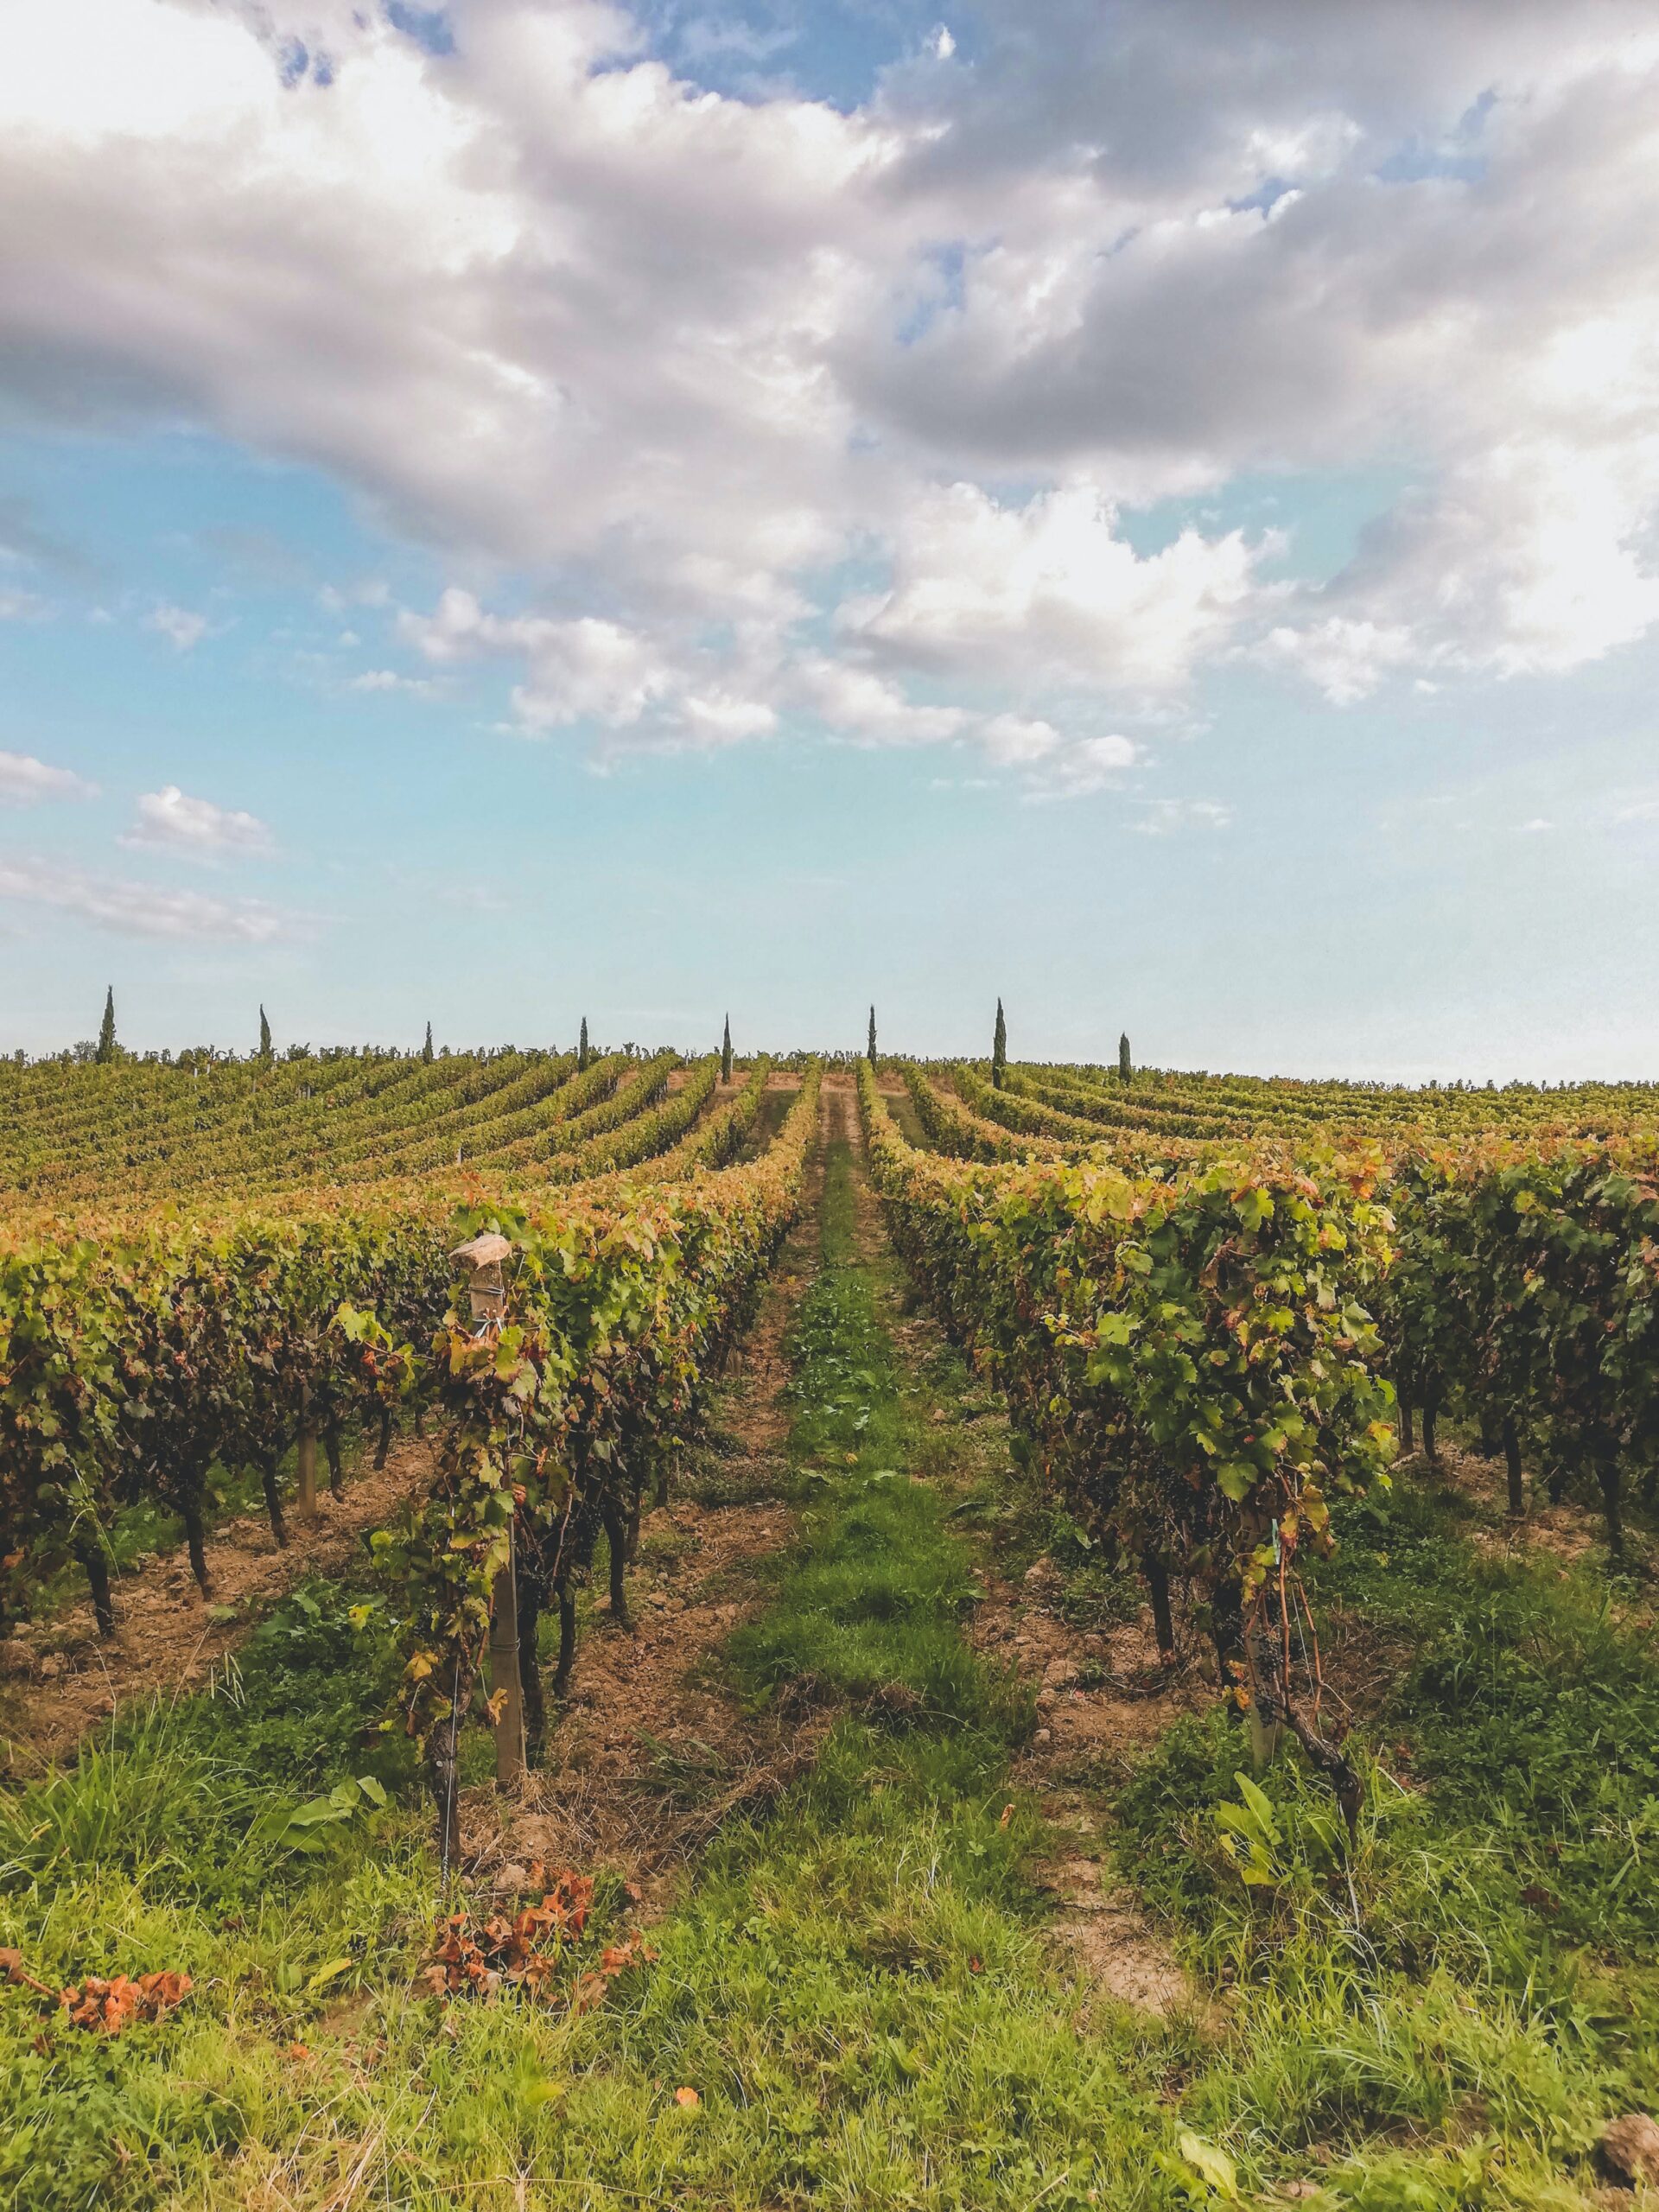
x=529 y=509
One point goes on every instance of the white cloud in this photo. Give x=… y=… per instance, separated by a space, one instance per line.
x=867 y=708
x=723 y=720
x=1021 y=741
x=1536 y=828
x=387 y=679
x=143 y=909
x=582 y=668
x=1057 y=767
x=171 y=820
x=666 y=693
x=23 y=780
x=179 y=626
x=590 y=668
x=1344 y=658
x=1048 y=592
x=1088 y=764
x=21 y=606
x=1164 y=816
x=1528 y=562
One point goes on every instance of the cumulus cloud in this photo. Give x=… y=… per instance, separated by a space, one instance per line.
x=682 y=358
x=1048 y=590
x=867 y=707
x=586 y=668
x=23 y=780
x=170 y=820
x=590 y=669
x=1055 y=766
x=1086 y=765
x=179 y=625
x=720 y=719
x=140 y=909
x=1344 y=657
x=1531 y=563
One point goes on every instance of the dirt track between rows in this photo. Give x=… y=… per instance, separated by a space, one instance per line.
x=59 y=1679
x=653 y=1750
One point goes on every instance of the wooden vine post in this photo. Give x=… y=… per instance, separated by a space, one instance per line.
x=486 y=1288
x=504 y=1680
x=306 y=1470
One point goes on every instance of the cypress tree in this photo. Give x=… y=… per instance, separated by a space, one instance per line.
x=264 y=1036
x=426 y=1049
x=106 y=1045
x=999 y=1048
x=1124 y=1070
x=726 y=1053
x=871 y=1047
x=581 y=1049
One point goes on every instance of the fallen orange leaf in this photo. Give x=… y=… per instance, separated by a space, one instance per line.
x=110 y=2007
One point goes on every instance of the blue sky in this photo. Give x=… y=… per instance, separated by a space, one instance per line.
x=642 y=515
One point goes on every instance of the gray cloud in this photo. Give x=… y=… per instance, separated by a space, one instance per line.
x=27 y=542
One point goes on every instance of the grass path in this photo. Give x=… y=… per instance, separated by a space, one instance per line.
x=863 y=1989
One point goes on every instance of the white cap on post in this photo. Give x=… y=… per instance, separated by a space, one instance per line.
x=482 y=1259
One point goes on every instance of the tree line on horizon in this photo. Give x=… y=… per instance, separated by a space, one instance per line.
x=107 y=1048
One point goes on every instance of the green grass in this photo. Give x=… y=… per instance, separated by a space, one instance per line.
x=1452 y=2014
x=874 y=1603
x=144 y=1857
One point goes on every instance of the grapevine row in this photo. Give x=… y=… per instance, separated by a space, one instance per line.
x=1524 y=1296
x=135 y=1361
x=558 y=1419
x=1190 y=1361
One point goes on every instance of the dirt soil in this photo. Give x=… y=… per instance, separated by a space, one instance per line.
x=1567 y=1531
x=1103 y=1700
x=652 y=1751
x=58 y=1679
x=842 y=1082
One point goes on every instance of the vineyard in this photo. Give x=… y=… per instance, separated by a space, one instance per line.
x=601 y=1628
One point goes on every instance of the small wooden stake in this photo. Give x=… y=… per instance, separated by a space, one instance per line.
x=307 y=1501
x=504 y=1676
x=1264 y=1739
